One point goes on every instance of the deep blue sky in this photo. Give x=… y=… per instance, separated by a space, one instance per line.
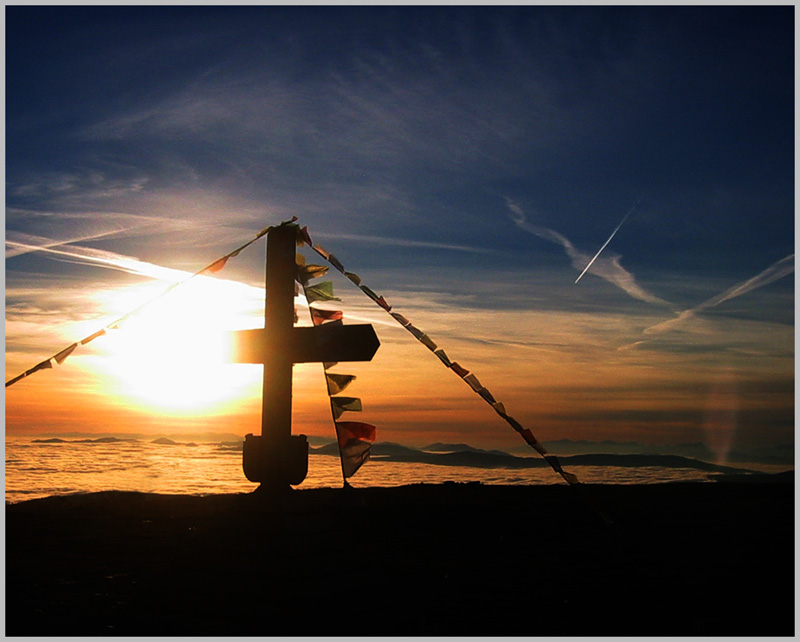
x=453 y=153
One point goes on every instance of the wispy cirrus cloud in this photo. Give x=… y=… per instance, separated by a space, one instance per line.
x=398 y=242
x=776 y=271
x=607 y=267
x=64 y=251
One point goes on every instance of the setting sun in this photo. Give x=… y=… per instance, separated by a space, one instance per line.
x=174 y=355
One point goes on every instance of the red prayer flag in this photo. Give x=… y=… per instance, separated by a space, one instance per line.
x=461 y=372
x=347 y=431
x=319 y=316
x=355 y=440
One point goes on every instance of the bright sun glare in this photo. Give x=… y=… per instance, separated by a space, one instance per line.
x=174 y=355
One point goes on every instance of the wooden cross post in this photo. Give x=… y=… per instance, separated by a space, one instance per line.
x=277 y=458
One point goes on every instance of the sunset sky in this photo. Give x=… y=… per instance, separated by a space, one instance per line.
x=466 y=162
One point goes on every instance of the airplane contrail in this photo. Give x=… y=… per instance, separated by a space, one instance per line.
x=616 y=229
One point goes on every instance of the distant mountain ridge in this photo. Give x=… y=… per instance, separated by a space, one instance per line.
x=464 y=455
x=779 y=455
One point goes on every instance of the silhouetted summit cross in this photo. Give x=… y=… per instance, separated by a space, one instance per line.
x=277 y=458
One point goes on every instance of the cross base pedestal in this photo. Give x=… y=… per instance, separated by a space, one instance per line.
x=284 y=465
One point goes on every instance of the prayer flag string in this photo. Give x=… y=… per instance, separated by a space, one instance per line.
x=211 y=268
x=354 y=438
x=469 y=378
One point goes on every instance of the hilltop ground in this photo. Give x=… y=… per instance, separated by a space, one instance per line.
x=447 y=560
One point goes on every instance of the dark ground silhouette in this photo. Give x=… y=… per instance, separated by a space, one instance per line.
x=449 y=560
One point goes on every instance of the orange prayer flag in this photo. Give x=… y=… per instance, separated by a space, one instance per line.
x=92 y=337
x=217 y=265
x=61 y=356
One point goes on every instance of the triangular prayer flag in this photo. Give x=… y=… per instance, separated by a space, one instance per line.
x=473 y=382
x=41 y=366
x=65 y=353
x=571 y=479
x=321 y=251
x=368 y=292
x=554 y=463
x=307 y=272
x=443 y=357
x=341 y=404
x=338 y=382
x=92 y=337
x=353 y=277
x=400 y=319
x=320 y=316
x=329 y=364
x=415 y=331
x=382 y=302
x=513 y=423
x=527 y=435
x=321 y=292
x=349 y=430
x=335 y=263
x=304 y=235
x=499 y=408
x=461 y=372
x=355 y=440
x=484 y=392
x=217 y=265
x=427 y=342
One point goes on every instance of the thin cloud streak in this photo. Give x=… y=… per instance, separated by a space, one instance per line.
x=608 y=269
x=103 y=258
x=408 y=243
x=774 y=272
x=27 y=243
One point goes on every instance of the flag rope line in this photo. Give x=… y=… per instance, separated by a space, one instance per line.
x=214 y=266
x=464 y=374
x=353 y=438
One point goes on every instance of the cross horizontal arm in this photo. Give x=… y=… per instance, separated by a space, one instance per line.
x=328 y=342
